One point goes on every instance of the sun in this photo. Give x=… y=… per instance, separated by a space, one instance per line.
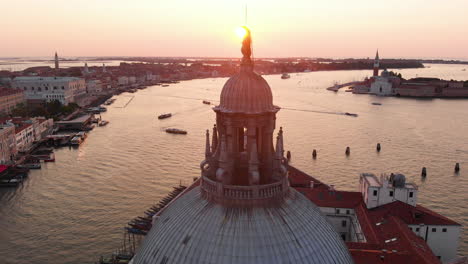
x=241 y=32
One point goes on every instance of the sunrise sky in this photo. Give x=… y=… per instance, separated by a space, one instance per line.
x=331 y=28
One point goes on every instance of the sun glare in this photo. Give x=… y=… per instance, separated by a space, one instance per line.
x=241 y=32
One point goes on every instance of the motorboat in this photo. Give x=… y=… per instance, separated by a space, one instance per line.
x=109 y=101
x=82 y=134
x=76 y=140
x=176 y=131
x=206 y=102
x=11 y=182
x=163 y=116
x=351 y=114
x=32 y=166
x=165 y=85
x=103 y=122
x=285 y=76
x=96 y=110
x=376 y=103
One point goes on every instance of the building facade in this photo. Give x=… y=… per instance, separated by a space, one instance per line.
x=8 y=148
x=9 y=99
x=64 y=89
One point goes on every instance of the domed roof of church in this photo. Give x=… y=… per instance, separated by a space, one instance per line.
x=246 y=92
x=194 y=230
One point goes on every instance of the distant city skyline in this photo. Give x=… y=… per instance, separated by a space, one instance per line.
x=206 y=28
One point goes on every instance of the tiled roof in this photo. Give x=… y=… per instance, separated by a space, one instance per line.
x=331 y=198
x=396 y=244
x=6 y=92
x=411 y=215
x=21 y=127
x=388 y=238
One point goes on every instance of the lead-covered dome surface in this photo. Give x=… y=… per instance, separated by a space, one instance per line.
x=194 y=230
x=246 y=92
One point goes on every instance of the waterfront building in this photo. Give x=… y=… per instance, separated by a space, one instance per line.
x=24 y=136
x=94 y=87
x=393 y=195
x=9 y=99
x=64 y=89
x=8 y=148
x=42 y=127
x=122 y=81
x=432 y=87
x=387 y=189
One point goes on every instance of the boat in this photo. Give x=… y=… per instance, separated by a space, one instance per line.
x=51 y=158
x=76 y=140
x=376 y=103
x=103 y=123
x=351 y=114
x=176 y=131
x=464 y=70
x=82 y=134
x=165 y=85
x=206 y=102
x=11 y=182
x=109 y=101
x=285 y=76
x=96 y=110
x=163 y=116
x=29 y=166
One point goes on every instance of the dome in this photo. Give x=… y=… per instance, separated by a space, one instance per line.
x=246 y=92
x=195 y=230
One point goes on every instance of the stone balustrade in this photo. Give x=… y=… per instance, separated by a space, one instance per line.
x=218 y=190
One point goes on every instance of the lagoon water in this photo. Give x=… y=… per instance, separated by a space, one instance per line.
x=74 y=210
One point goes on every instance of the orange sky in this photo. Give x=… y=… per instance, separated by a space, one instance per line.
x=332 y=28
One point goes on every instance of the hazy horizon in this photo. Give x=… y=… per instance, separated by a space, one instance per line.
x=182 y=28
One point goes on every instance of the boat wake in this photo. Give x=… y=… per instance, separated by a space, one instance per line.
x=320 y=112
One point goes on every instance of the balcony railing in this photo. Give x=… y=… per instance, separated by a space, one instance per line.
x=235 y=192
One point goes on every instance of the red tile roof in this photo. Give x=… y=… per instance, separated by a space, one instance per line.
x=390 y=241
x=7 y=92
x=21 y=127
x=396 y=244
x=411 y=215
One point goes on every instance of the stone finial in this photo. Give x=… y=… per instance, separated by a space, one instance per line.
x=207 y=146
x=214 y=142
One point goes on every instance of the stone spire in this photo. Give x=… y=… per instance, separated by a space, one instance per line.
x=214 y=143
x=376 y=64
x=86 y=70
x=56 y=61
x=104 y=68
x=207 y=145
